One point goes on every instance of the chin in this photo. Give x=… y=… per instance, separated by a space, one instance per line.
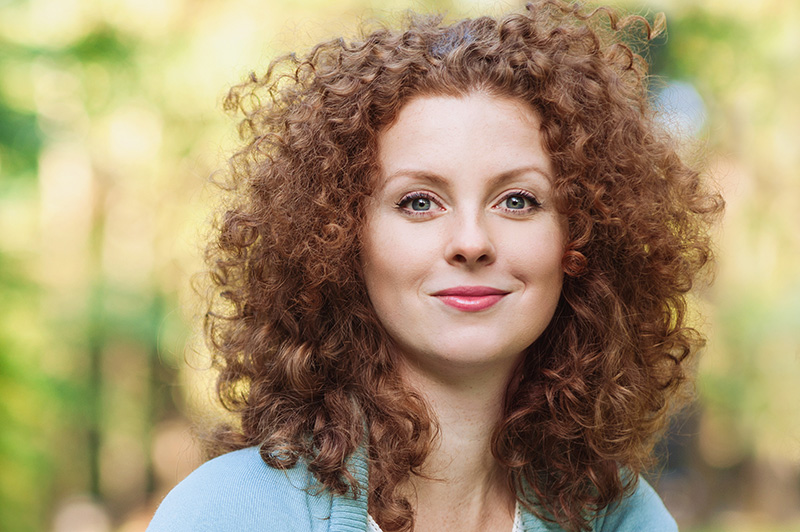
x=473 y=355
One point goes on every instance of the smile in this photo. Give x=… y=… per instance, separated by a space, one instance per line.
x=470 y=298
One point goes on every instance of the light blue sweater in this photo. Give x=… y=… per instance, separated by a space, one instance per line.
x=239 y=492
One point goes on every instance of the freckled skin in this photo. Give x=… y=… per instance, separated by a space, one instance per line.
x=463 y=199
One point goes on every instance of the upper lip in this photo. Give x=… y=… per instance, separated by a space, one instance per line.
x=470 y=291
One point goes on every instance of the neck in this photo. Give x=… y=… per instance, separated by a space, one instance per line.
x=461 y=486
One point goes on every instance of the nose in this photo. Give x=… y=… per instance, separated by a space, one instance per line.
x=470 y=243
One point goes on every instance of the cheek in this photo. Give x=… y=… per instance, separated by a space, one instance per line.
x=396 y=251
x=387 y=259
x=537 y=254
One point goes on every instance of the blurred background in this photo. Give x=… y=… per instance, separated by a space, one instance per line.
x=110 y=129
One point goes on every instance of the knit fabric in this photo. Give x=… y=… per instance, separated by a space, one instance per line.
x=239 y=492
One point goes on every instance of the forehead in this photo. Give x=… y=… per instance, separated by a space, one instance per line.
x=450 y=135
x=437 y=112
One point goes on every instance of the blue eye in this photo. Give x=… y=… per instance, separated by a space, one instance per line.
x=516 y=202
x=519 y=202
x=417 y=203
x=420 y=204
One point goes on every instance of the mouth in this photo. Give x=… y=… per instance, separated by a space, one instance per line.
x=470 y=298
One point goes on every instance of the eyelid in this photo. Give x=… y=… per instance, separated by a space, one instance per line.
x=416 y=195
x=531 y=197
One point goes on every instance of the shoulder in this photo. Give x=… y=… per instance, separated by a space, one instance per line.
x=641 y=510
x=238 y=491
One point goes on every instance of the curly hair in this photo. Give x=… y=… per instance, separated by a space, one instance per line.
x=303 y=361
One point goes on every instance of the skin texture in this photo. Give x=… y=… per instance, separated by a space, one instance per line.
x=464 y=199
x=471 y=161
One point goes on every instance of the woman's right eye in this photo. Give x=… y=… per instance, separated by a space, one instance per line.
x=417 y=203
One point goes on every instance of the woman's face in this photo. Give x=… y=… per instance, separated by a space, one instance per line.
x=463 y=245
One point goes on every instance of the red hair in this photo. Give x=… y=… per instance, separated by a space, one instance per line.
x=302 y=358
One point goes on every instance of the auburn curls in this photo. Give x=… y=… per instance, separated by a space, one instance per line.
x=303 y=361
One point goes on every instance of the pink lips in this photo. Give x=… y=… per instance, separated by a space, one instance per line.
x=470 y=298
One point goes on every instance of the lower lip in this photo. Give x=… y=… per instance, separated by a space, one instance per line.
x=471 y=303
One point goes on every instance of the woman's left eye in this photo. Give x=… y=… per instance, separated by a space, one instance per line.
x=519 y=201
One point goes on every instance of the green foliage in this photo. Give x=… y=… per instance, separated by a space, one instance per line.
x=20 y=137
x=102 y=45
x=692 y=38
x=25 y=393
x=20 y=141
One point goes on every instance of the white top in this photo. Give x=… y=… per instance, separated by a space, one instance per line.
x=372 y=526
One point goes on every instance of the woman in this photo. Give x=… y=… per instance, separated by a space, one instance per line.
x=452 y=286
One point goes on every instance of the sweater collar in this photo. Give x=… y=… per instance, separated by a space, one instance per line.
x=349 y=514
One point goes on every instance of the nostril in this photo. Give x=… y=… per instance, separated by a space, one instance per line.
x=462 y=259
x=470 y=248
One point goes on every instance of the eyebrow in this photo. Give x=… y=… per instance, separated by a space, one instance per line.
x=494 y=181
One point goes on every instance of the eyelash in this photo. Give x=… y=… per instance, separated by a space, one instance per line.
x=535 y=204
x=417 y=195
